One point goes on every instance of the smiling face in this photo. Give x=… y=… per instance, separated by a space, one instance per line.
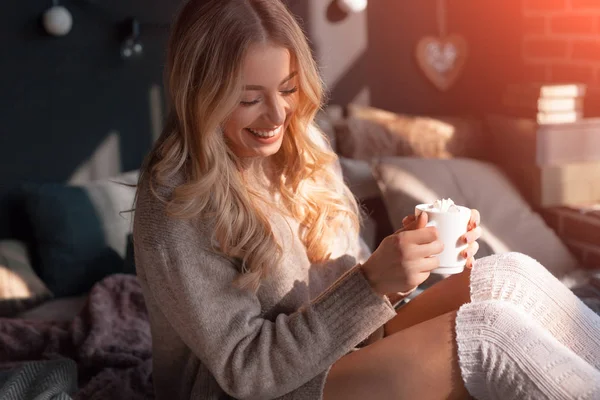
x=257 y=125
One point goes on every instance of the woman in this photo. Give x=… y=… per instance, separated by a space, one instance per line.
x=247 y=249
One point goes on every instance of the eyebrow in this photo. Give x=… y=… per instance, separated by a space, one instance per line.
x=259 y=87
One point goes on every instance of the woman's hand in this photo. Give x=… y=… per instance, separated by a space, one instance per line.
x=403 y=260
x=473 y=234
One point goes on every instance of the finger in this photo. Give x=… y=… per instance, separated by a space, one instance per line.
x=414 y=224
x=471 y=250
x=475 y=219
x=428 y=264
x=422 y=220
x=470 y=262
x=408 y=220
x=472 y=235
x=420 y=236
x=424 y=276
x=425 y=250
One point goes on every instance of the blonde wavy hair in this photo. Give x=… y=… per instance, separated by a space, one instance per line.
x=206 y=50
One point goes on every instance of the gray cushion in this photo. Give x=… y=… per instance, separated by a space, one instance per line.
x=508 y=222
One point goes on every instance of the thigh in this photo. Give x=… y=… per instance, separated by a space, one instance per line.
x=443 y=297
x=419 y=362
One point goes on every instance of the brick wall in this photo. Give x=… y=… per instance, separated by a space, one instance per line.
x=580 y=231
x=561 y=43
x=561 y=40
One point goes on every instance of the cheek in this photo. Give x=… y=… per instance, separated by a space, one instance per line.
x=238 y=120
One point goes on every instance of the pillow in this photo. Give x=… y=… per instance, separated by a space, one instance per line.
x=508 y=222
x=20 y=287
x=79 y=232
x=357 y=175
x=372 y=133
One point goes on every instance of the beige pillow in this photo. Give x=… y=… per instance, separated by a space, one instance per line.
x=20 y=287
x=370 y=132
x=508 y=221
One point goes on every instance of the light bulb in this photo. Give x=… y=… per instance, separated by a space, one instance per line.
x=57 y=21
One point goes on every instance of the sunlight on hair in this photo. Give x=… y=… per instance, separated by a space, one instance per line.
x=204 y=81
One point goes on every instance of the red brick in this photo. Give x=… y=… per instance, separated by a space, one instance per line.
x=552 y=218
x=545 y=5
x=578 y=251
x=537 y=73
x=592 y=258
x=585 y=4
x=578 y=73
x=581 y=228
x=573 y=24
x=593 y=215
x=545 y=48
x=586 y=50
x=535 y=25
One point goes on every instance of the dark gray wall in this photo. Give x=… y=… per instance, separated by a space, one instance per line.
x=62 y=96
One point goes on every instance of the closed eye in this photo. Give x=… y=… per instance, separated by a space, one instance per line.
x=249 y=103
x=289 y=91
x=283 y=92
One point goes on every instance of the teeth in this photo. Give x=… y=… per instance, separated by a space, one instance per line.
x=264 y=134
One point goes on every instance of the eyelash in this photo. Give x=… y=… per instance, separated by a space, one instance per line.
x=284 y=92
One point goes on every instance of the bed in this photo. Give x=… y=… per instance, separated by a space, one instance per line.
x=72 y=315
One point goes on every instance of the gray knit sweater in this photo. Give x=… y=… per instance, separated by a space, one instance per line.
x=212 y=340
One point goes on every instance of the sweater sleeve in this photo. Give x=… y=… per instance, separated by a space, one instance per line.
x=252 y=357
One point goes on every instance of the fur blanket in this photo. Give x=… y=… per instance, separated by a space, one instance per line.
x=109 y=340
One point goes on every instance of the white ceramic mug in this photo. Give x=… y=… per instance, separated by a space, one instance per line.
x=451 y=227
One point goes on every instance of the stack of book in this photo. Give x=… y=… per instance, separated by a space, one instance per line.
x=546 y=103
x=551 y=164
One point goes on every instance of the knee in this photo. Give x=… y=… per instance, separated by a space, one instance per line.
x=520 y=263
x=499 y=276
x=510 y=264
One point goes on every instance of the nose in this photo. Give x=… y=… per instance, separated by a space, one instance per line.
x=277 y=110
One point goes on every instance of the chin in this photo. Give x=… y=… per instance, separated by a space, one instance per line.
x=270 y=150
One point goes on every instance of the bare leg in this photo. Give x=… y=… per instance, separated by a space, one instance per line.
x=504 y=355
x=419 y=362
x=443 y=297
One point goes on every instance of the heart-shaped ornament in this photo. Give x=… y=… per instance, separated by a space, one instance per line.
x=442 y=59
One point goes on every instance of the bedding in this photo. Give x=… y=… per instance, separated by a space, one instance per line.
x=79 y=233
x=20 y=287
x=39 y=380
x=109 y=340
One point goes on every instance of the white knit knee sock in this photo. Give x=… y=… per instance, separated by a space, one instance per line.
x=522 y=281
x=505 y=355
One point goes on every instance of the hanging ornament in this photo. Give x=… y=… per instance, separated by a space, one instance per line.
x=352 y=6
x=442 y=58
